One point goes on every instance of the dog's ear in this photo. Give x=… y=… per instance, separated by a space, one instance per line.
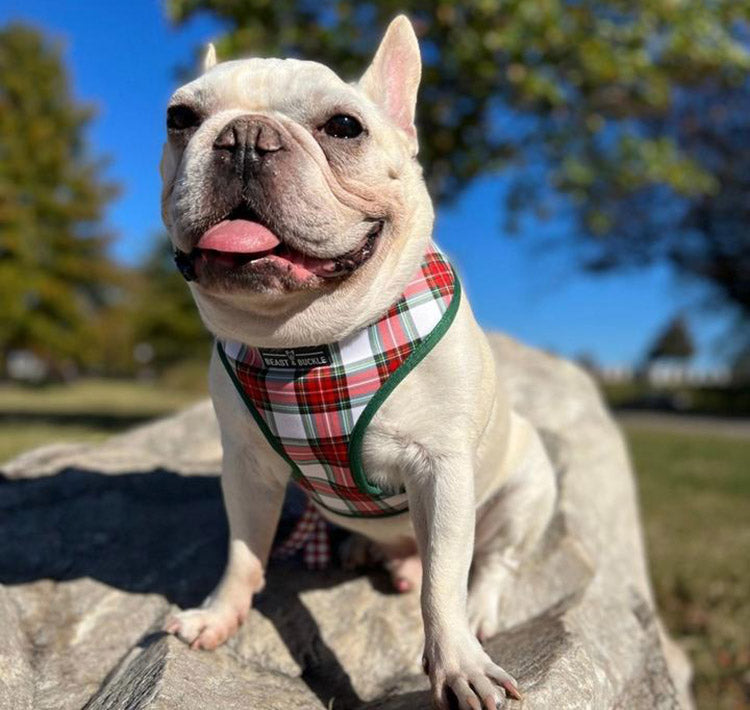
x=392 y=80
x=209 y=58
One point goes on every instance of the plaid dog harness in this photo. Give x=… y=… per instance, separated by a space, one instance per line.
x=313 y=404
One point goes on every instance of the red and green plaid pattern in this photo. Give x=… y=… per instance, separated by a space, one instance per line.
x=310 y=534
x=310 y=415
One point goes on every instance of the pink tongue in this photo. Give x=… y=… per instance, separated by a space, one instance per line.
x=239 y=236
x=311 y=264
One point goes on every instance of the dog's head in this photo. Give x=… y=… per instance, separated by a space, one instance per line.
x=293 y=199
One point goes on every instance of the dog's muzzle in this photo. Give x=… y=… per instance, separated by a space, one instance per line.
x=185 y=264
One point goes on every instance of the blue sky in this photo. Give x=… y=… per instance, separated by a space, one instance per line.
x=123 y=57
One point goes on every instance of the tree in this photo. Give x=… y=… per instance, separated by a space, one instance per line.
x=151 y=325
x=54 y=272
x=588 y=362
x=673 y=342
x=741 y=366
x=637 y=113
x=163 y=314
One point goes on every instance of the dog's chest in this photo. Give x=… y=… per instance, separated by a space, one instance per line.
x=383 y=454
x=318 y=407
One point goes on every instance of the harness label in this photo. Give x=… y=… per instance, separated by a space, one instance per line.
x=296 y=358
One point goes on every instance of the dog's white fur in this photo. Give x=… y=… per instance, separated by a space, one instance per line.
x=481 y=489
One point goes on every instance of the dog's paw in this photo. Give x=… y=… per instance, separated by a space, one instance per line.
x=491 y=580
x=406 y=573
x=357 y=553
x=466 y=671
x=401 y=560
x=483 y=610
x=205 y=628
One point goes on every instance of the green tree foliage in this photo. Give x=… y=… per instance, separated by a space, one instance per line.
x=631 y=119
x=163 y=313
x=673 y=342
x=54 y=272
x=152 y=324
x=741 y=366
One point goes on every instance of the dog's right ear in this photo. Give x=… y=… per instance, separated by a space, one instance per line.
x=209 y=58
x=392 y=80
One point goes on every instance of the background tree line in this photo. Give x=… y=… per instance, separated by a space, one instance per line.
x=632 y=117
x=629 y=119
x=61 y=296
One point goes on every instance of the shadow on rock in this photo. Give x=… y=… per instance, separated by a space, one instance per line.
x=160 y=533
x=154 y=532
x=281 y=604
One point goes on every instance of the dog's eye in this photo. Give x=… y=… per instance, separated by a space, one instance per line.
x=342 y=126
x=181 y=117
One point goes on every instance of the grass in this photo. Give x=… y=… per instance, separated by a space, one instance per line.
x=16 y=438
x=87 y=411
x=95 y=397
x=695 y=497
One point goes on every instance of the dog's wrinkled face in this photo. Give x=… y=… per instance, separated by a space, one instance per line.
x=280 y=178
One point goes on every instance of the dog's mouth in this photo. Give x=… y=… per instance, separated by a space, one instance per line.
x=240 y=244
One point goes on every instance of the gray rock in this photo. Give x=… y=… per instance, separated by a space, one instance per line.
x=99 y=542
x=187 y=443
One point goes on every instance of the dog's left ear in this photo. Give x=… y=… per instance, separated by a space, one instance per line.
x=209 y=58
x=392 y=80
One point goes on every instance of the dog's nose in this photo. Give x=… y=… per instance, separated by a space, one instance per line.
x=250 y=138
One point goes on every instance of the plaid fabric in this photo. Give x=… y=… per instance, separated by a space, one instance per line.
x=311 y=413
x=310 y=534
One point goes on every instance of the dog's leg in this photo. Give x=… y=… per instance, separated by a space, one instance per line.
x=400 y=558
x=253 y=499
x=509 y=526
x=441 y=500
x=404 y=565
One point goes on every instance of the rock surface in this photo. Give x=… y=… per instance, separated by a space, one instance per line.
x=99 y=542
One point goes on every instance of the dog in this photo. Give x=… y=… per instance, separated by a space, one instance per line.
x=299 y=216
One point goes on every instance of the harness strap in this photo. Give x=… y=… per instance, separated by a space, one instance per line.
x=314 y=404
x=310 y=534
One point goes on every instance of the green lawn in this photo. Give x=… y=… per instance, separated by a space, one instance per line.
x=88 y=410
x=695 y=496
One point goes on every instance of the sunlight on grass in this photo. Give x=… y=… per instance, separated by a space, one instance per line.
x=86 y=411
x=91 y=396
x=17 y=438
x=695 y=496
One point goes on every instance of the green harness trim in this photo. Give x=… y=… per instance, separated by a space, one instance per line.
x=357 y=437
x=419 y=353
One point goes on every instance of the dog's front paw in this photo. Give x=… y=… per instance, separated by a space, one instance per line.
x=464 y=669
x=401 y=560
x=206 y=628
x=489 y=584
x=358 y=552
x=483 y=608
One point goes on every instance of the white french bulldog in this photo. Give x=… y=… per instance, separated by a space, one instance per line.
x=299 y=215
